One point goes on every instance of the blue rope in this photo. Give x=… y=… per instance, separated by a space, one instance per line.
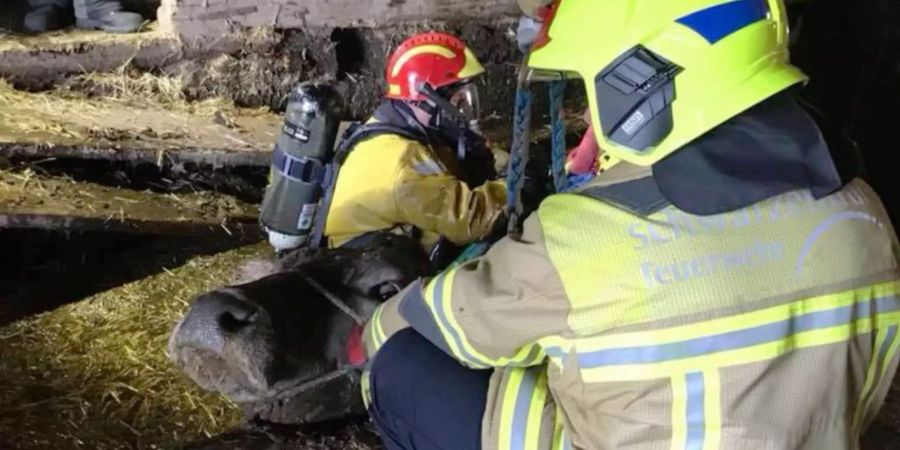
x=518 y=160
x=515 y=174
x=558 y=136
x=472 y=251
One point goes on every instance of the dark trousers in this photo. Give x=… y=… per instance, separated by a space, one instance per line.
x=422 y=399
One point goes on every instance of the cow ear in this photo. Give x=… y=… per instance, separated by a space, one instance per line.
x=254 y=269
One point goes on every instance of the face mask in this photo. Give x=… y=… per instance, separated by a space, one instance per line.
x=466 y=102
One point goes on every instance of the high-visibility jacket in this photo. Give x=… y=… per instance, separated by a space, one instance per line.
x=770 y=327
x=389 y=181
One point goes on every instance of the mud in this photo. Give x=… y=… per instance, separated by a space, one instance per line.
x=352 y=58
x=257 y=67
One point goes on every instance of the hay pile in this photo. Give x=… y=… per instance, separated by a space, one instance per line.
x=130 y=86
x=130 y=110
x=95 y=375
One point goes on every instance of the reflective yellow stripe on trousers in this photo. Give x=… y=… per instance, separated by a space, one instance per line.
x=692 y=355
x=522 y=409
x=886 y=344
x=560 y=438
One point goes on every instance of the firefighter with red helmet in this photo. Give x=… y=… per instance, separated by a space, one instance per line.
x=427 y=170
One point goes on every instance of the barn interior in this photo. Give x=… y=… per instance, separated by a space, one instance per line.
x=132 y=167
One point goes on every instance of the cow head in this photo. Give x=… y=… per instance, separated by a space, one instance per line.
x=272 y=345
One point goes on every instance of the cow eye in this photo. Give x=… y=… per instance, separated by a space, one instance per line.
x=385 y=291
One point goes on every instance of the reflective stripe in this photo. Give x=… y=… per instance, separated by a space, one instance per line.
x=421 y=317
x=736 y=339
x=438 y=296
x=433 y=49
x=538 y=400
x=807 y=323
x=520 y=412
x=523 y=405
x=885 y=341
x=560 y=440
x=740 y=321
x=508 y=405
x=366 y=388
x=557 y=349
x=435 y=298
x=376 y=330
x=556 y=354
x=694 y=411
x=712 y=408
x=719 y=21
x=428 y=167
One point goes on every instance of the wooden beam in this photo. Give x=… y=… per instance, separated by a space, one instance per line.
x=49 y=125
x=31 y=201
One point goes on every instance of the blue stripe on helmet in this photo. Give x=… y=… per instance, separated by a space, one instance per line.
x=717 y=22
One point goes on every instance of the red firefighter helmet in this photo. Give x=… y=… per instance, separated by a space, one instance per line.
x=435 y=59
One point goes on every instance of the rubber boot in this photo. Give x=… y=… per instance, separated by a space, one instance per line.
x=48 y=15
x=106 y=15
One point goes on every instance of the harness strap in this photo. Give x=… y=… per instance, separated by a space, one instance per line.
x=334 y=299
x=305 y=170
x=303 y=386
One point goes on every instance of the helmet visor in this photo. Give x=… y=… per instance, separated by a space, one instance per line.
x=466 y=101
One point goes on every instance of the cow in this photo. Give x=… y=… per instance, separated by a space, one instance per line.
x=277 y=346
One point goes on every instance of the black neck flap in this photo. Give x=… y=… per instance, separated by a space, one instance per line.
x=398 y=113
x=772 y=148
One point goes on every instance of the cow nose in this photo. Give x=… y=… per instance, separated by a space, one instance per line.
x=229 y=313
x=216 y=316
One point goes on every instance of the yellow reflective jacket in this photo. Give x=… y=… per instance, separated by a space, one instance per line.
x=389 y=181
x=771 y=327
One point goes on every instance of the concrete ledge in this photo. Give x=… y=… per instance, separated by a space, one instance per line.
x=196 y=18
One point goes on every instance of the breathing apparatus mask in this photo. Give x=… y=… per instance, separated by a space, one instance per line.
x=455 y=112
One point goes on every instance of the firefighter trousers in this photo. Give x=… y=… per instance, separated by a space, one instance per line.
x=422 y=399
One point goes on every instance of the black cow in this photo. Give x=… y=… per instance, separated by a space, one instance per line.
x=277 y=345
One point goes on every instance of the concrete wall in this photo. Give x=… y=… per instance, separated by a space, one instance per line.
x=198 y=18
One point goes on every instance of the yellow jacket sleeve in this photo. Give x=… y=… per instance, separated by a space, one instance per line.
x=431 y=198
x=490 y=312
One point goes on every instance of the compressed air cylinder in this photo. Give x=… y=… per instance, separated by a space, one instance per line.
x=299 y=162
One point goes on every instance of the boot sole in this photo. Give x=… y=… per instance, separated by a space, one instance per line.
x=89 y=24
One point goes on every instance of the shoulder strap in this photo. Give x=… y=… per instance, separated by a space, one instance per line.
x=354 y=135
x=362 y=132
